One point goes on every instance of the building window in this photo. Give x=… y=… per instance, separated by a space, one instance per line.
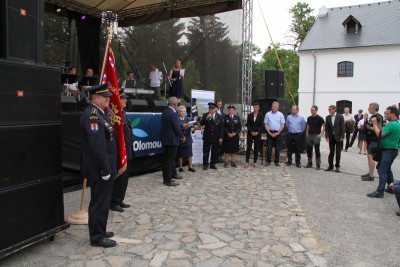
x=345 y=69
x=341 y=104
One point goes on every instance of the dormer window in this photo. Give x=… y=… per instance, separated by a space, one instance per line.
x=351 y=25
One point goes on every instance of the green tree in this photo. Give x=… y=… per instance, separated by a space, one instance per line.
x=217 y=59
x=302 y=21
x=192 y=77
x=56 y=39
x=152 y=43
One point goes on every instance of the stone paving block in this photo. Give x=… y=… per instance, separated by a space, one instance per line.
x=159 y=259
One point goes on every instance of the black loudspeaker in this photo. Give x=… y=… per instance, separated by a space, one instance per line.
x=21 y=28
x=137 y=105
x=29 y=153
x=68 y=103
x=29 y=93
x=159 y=106
x=274 y=84
x=30 y=213
x=266 y=104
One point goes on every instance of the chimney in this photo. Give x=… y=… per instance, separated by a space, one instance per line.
x=323 y=12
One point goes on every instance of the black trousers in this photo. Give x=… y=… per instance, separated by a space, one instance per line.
x=313 y=142
x=353 y=138
x=334 y=147
x=273 y=142
x=250 y=140
x=120 y=186
x=169 y=169
x=214 y=147
x=294 y=144
x=99 y=207
x=347 y=139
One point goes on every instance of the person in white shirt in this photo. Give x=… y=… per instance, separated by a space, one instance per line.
x=349 y=126
x=156 y=79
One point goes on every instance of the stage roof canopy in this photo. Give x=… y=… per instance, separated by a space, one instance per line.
x=137 y=12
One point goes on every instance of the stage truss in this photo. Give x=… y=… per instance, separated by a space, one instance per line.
x=247 y=57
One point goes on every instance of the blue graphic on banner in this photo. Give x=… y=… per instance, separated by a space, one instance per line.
x=146 y=133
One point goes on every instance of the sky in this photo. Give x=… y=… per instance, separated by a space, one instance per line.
x=278 y=18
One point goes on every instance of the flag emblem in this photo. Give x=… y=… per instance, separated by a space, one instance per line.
x=94 y=127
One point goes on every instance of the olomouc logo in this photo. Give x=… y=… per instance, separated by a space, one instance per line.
x=145 y=129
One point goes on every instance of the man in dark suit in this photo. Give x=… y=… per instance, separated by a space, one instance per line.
x=121 y=183
x=212 y=135
x=170 y=134
x=334 y=135
x=99 y=162
x=357 y=118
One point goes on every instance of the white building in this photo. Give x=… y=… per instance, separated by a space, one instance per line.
x=351 y=57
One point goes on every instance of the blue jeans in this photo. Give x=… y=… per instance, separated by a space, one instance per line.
x=397 y=192
x=384 y=169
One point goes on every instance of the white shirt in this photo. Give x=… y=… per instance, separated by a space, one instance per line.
x=348 y=117
x=333 y=119
x=360 y=123
x=155 y=78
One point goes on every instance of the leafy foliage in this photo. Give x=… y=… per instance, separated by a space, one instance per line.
x=302 y=21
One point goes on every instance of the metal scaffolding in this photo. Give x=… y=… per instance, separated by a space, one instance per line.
x=247 y=51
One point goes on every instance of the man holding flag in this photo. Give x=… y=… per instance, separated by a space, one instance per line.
x=99 y=160
x=103 y=151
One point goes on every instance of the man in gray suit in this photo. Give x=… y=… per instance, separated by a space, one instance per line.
x=334 y=135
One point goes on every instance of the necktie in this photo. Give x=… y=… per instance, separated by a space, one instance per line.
x=231 y=116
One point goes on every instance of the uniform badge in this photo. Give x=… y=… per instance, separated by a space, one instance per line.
x=94 y=127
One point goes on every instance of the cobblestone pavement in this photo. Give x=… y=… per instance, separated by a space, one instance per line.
x=227 y=217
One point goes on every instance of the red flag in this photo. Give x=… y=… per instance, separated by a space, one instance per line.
x=109 y=74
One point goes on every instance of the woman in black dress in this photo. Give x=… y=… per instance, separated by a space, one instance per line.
x=185 y=149
x=232 y=128
x=176 y=76
x=254 y=128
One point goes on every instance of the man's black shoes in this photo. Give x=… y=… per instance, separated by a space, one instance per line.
x=288 y=163
x=329 y=169
x=337 y=169
x=177 y=176
x=212 y=166
x=116 y=208
x=277 y=164
x=105 y=243
x=205 y=167
x=318 y=167
x=109 y=234
x=375 y=194
x=124 y=205
x=398 y=213
x=309 y=165
x=389 y=190
x=172 y=183
x=298 y=165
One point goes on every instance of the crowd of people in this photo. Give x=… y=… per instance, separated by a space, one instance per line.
x=380 y=134
x=378 y=137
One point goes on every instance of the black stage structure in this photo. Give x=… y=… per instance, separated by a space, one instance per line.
x=37 y=142
x=31 y=187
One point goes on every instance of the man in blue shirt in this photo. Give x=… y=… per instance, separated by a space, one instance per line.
x=296 y=126
x=274 y=124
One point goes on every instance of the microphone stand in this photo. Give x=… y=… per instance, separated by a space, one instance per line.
x=169 y=81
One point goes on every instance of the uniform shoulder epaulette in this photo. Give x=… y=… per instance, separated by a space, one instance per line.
x=94 y=111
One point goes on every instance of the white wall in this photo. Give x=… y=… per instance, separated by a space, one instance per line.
x=376 y=78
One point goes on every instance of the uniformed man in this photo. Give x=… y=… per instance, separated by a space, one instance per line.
x=99 y=162
x=121 y=183
x=212 y=135
x=232 y=129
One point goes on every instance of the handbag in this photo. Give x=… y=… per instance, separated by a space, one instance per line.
x=377 y=152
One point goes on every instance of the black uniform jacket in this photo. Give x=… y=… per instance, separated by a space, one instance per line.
x=213 y=129
x=99 y=150
x=232 y=125
x=128 y=136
